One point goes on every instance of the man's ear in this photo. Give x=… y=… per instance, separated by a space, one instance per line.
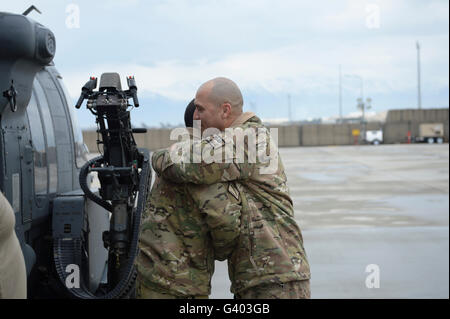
x=226 y=110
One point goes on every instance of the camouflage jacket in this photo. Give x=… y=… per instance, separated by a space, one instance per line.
x=270 y=247
x=13 y=275
x=183 y=227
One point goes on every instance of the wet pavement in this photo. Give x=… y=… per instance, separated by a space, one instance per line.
x=385 y=205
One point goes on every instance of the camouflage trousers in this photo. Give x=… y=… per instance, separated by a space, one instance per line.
x=143 y=292
x=289 y=290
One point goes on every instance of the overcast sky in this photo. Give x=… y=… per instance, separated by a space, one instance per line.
x=269 y=48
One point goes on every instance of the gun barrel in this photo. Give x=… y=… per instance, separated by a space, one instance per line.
x=135 y=99
x=139 y=130
x=80 y=101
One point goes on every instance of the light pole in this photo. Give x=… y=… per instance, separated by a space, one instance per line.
x=340 y=95
x=361 y=104
x=419 y=97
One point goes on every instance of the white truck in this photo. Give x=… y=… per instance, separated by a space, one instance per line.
x=374 y=137
x=431 y=133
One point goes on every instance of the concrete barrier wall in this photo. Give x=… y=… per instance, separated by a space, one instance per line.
x=342 y=134
x=158 y=138
x=154 y=139
x=415 y=115
x=288 y=135
x=291 y=135
x=332 y=134
x=399 y=122
x=90 y=139
x=310 y=135
x=395 y=130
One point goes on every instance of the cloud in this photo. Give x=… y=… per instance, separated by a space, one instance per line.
x=385 y=64
x=270 y=48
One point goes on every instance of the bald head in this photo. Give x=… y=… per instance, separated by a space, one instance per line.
x=218 y=103
x=222 y=90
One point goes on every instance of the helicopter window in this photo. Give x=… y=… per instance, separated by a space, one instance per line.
x=50 y=136
x=39 y=154
x=80 y=150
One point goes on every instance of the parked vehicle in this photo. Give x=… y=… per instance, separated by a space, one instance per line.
x=374 y=137
x=430 y=133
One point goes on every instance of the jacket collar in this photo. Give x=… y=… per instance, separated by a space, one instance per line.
x=244 y=117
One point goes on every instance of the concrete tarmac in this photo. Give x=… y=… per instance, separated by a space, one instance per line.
x=382 y=209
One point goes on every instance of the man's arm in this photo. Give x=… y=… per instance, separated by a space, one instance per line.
x=195 y=168
x=221 y=205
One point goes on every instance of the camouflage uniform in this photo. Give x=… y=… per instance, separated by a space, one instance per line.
x=13 y=276
x=270 y=248
x=290 y=290
x=184 y=224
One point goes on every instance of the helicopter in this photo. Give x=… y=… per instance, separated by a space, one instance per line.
x=75 y=242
